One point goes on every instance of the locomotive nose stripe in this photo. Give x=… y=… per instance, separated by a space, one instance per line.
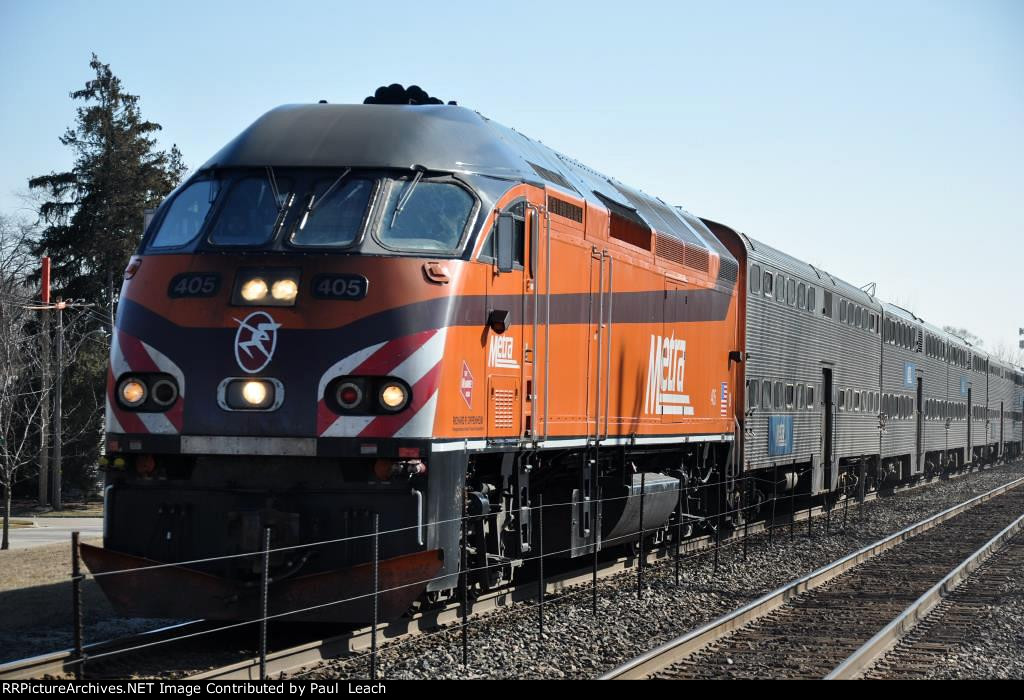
x=129 y=354
x=411 y=358
x=395 y=353
x=422 y=392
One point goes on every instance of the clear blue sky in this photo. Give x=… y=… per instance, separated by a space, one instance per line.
x=883 y=141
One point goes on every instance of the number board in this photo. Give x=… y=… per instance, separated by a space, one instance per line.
x=194 y=284
x=341 y=287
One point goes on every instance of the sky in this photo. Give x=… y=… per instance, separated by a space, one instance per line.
x=881 y=141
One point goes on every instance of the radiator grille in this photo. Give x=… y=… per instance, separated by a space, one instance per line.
x=671 y=249
x=697 y=258
x=727 y=269
x=504 y=408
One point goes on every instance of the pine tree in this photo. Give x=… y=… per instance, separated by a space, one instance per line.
x=92 y=214
x=91 y=219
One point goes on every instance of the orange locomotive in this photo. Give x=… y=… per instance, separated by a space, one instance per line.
x=360 y=317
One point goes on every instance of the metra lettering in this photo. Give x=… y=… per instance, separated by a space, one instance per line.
x=502 y=352
x=665 y=369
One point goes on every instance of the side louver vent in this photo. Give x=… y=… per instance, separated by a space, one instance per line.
x=671 y=248
x=551 y=176
x=697 y=258
x=560 y=207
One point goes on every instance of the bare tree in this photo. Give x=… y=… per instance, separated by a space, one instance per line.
x=1009 y=354
x=971 y=338
x=21 y=393
x=24 y=385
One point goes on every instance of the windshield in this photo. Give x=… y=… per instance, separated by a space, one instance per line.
x=186 y=216
x=334 y=213
x=433 y=218
x=371 y=212
x=250 y=213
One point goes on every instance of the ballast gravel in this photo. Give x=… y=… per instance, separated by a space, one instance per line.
x=576 y=643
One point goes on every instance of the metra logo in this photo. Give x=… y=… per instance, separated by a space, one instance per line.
x=255 y=341
x=665 y=369
x=502 y=352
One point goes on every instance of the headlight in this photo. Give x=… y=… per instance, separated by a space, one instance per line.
x=393 y=397
x=266 y=286
x=243 y=394
x=254 y=393
x=285 y=290
x=254 y=289
x=132 y=392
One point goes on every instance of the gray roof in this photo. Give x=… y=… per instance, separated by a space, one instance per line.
x=766 y=253
x=440 y=138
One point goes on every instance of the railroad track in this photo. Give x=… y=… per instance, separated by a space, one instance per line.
x=63 y=663
x=953 y=624
x=116 y=657
x=837 y=620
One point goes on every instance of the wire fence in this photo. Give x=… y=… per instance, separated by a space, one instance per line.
x=734 y=503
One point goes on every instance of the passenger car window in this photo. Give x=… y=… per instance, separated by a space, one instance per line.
x=777 y=391
x=766 y=394
x=791 y=292
x=810 y=299
x=755 y=279
x=780 y=287
x=186 y=215
x=433 y=218
x=769 y=285
x=810 y=396
x=801 y=295
x=842 y=310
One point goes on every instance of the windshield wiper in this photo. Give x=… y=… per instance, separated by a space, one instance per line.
x=282 y=205
x=313 y=202
x=405 y=196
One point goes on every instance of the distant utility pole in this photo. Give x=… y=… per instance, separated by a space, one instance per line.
x=58 y=416
x=44 y=412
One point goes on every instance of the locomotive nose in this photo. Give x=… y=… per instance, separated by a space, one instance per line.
x=262 y=346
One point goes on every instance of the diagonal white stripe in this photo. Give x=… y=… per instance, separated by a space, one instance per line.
x=166 y=365
x=117 y=362
x=422 y=424
x=113 y=425
x=345 y=366
x=157 y=423
x=347 y=426
x=423 y=360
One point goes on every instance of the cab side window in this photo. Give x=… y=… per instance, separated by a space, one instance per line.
x=518 y=212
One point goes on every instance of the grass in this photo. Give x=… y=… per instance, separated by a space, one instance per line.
x=28 y=509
